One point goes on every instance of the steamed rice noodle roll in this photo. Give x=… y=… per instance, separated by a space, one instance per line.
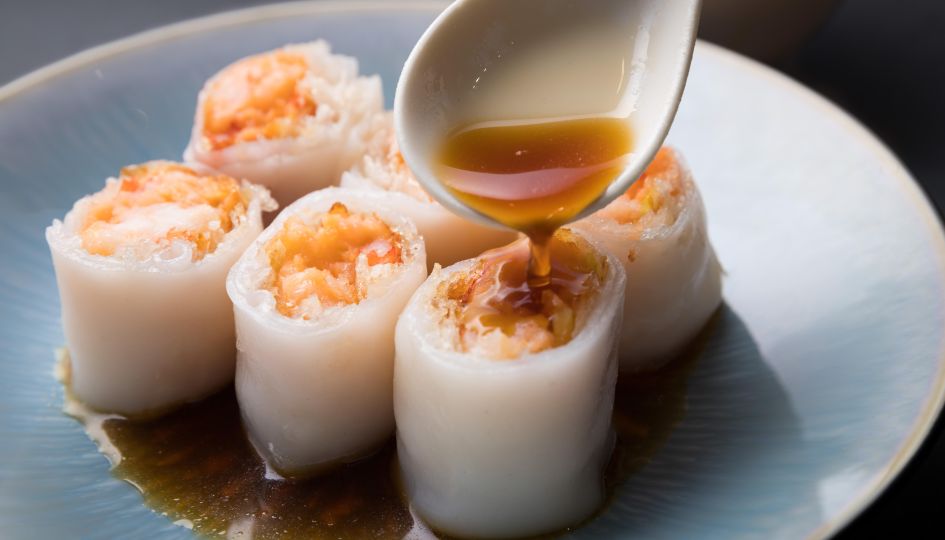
x=292 y=119
x=141 y=267
x=448 y=237
x=503 y=393
x=657 y=229
x=316 y=298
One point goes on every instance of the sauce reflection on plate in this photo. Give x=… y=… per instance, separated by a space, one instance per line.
x=196 y=466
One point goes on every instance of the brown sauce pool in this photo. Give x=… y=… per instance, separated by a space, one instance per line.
x=196 y=466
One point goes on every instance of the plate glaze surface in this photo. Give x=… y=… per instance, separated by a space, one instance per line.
x=822 y=376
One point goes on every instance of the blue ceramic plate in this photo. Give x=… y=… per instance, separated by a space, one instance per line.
x=822 y=376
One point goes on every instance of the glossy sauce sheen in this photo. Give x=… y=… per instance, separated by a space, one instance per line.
x=197 y=467
x=497 y=294
x=535 y=176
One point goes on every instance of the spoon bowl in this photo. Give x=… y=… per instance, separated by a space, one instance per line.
x=498 y=61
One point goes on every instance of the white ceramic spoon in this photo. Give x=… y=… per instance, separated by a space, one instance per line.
x=488 y=60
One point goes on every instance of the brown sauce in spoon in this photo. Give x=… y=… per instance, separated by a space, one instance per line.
x=534 y=176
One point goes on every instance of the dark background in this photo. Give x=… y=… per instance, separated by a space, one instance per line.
x=881 y=60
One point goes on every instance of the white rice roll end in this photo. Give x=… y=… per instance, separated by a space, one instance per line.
x=315 y=388
x=148 y=327
x=291 y=149
x=449 y=237
x=505 y=448
x=658 y=232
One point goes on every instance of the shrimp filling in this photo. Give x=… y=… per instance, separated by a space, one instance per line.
x=325 y=260
x=388 y=170
x=156 y=204
x=654 y=199
x=496 y=312
x=260 y=97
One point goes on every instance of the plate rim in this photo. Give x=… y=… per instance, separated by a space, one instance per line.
x=931 y=410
